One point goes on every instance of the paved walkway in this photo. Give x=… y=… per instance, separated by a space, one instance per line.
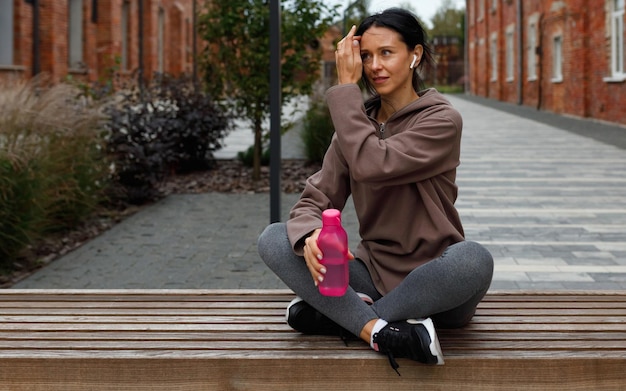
x=547 y=201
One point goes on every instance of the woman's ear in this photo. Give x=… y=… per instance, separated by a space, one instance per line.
x=417 y=56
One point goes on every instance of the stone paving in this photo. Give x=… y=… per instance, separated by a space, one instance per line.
x=548 y=202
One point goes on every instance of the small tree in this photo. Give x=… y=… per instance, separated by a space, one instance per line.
x=236 y=60
x=354 y=13
x=409 y=6
x=448 y=21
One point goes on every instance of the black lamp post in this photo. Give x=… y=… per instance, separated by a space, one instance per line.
x=275 y=106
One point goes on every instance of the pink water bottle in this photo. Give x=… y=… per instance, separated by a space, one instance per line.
x=333 y=242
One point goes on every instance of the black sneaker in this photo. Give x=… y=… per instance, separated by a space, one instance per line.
x=411 y=338
x=302 y=317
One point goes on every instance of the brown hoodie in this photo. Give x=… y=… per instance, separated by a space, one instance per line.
x=401 y=176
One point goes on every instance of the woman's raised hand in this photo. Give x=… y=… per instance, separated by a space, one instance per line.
x=348 y=58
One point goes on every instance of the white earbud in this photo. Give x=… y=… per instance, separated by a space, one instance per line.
x=414 y=61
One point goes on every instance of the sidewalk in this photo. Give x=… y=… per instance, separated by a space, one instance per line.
x=242 y=137
x=550 y=204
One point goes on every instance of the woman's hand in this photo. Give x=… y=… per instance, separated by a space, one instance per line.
x=313 y=256
x=348 y=58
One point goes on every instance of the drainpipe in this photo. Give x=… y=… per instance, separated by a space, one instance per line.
x=36 y=39
x=94 y=11
x=140 y=38
x=194 y=43
x=520 y=52
x=540 y=65
x=466 y=59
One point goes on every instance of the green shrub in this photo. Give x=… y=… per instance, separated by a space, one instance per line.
x=247 y=157
x=317 y=132
x=52 y=171
x=451 y=89
x=80 y=177
x=20 y=215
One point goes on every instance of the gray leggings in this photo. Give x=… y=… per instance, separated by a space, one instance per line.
x=447 y=289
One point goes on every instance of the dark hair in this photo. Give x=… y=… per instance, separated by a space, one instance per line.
x=412 y=33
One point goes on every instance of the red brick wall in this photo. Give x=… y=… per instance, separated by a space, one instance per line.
x=101 y=39
x=584 y=28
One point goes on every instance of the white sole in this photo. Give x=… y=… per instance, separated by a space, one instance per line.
x=294 y=301
x=435 y=347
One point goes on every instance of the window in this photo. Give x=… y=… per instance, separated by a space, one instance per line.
x=6 y=32
x=75 y=34
x=557 y=59
x=330 y=71
x=160 y=40
x=531 y=57
x=125 y=60
x=493 y=54
x=510 y=54
x=617 y=41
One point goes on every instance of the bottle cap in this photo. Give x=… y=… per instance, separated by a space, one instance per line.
x=331 y=217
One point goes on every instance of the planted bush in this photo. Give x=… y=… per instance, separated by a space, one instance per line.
x=52 y=170
x=317 y=132
x=247 y=157
x=170 y=127
x=19 y=214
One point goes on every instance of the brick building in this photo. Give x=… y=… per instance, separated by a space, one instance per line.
x=88 y=39
x=566 y=56
x=449 y=55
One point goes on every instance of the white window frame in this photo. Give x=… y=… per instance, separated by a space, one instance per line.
x=510 y=53
x=75 y=34
x=618 y=58
x=6 y=33
x=493 y=55
x=557 y=59
x=531 y=56
x=481 y=9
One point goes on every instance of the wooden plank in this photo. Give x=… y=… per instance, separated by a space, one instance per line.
x=174 y=327
x=279 y=310
x=303 y=344
x=288 y=335
x=154 y=295
x=311 y=373
x=155 y=319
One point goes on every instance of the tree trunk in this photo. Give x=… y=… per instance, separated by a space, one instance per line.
x=258 y=149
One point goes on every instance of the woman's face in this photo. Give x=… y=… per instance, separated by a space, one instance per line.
x=386 y=61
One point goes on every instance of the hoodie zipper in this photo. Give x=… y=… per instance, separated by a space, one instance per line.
x=381 y=129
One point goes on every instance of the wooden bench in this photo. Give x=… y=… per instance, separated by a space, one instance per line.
x=238 y=340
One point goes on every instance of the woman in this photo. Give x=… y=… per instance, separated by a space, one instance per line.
x=396 y=155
